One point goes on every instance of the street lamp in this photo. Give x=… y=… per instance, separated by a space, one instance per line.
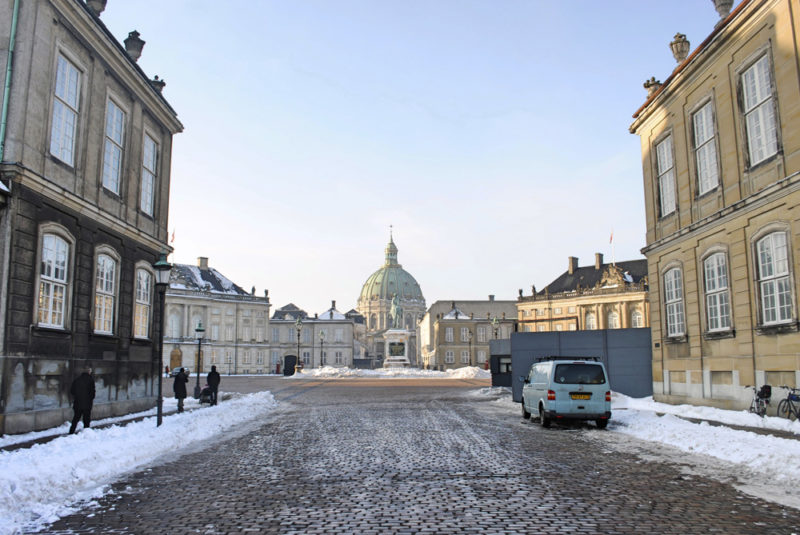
x=198 y=332
x=321 y=349
x=495 y=322
x=298 y=325
x=163 y=269
x=469 y=337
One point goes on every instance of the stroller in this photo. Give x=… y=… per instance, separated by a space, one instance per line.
x=206 y=396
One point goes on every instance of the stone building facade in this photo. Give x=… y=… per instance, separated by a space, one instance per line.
x=721 y=159
x=455 y=334
x=85 y=168
x=601 y=296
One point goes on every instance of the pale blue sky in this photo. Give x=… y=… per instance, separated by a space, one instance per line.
x=493 y=135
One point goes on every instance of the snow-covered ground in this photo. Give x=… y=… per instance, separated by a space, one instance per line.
x=468 y=372
x=46 y=481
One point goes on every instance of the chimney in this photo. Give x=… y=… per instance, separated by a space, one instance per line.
x=680 y=47
x=202 y=262
x=491 y=297
x=598 y=260
x=573 y=264
x=96 y=6
x=134 y=45
x=333 y=304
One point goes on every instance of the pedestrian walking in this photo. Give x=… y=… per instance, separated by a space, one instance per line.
x=166 y=372
x=82 y=391
x=213 y=380
x=179 y=387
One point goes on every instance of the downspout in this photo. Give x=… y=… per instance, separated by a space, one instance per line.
x=7 y=86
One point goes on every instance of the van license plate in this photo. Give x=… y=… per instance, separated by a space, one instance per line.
x=580 y=395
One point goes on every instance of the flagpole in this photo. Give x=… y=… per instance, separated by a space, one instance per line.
x=611 y=241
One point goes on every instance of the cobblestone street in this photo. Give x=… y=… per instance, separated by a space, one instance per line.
x=416 y=456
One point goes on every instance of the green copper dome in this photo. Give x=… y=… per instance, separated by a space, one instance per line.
x=391 y=279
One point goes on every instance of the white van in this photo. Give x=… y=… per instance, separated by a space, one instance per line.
x=567 y=388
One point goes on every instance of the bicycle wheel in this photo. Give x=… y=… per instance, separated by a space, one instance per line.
x=792 y=410
x=761 y=408
x=783 y=409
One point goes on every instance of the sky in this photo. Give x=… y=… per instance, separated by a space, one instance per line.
x=491 y=135
x=74 y=470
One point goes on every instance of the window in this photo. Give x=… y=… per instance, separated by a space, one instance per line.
x=573 y=327
x=246 y=333
x=324 y=357
x=448 y=334
x=666 y=176
x=149 y=159
x=339 y=357
x=540 y=328
x=246 y=356
x=228 y=356
x=104 y=294
x=759 y=111
x=774 y=279
x=229 y=333
x=705 y=149
x=637 y=319
x=214 y=356
x=449 y=357
x=174 y=327
x=673 y=299
x=540 y=312
x=559 y=327
x=482 y=334
x=260 y=357
x=53 y=283
x=307 y=336
x=141 y=317
x=274 y=357
x=306 y=358
x=65 y=111
x=557 y=310
x=338 y=335
x=715 y=269
x=112 y=153
x=465 y=357
x=591 y=322
x=571 y=310
x=215 y=332
x=276 y=337
x=464 y=334
x=613 y=320
x=481 y=357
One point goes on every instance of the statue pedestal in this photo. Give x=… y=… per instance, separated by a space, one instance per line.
x=396 y=348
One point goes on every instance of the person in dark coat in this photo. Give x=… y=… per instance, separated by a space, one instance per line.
x=213 y=383
x=82 y=391
x=179 y=387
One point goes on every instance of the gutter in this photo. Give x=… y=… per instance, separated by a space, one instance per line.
x=7 y=87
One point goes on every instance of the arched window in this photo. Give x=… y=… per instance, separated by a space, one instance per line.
x=174 y=326
x=613 y=320
x=774 y=278
x=718 y=312
x=591 y=322
x=53 y=281
x=673 y=301
x=105 y=293
x=637 y=319
x=142 y=306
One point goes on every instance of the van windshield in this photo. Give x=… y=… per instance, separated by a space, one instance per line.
x=579 y=374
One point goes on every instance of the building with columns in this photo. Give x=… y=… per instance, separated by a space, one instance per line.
x=455 y=334
x=235 y=322
x=601 y=296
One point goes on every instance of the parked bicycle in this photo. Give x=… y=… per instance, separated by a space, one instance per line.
x=761 y=399
x=790 y=407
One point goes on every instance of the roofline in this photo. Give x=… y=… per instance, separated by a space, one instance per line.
x=717 y=29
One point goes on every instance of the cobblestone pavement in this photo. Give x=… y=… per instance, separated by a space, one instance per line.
x=402 y=456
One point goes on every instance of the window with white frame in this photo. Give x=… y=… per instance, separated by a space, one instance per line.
x=306 y=358
x=338 y=335
x=759 y=111
x=591 y=322
x=229 y=333
x=246 y=332
x=705 y=148
x=465 y=356
x=113 y=147
x=214 y=356
x=673 y=301
x=613 y=320
x=557 y=310
x=449 y=357
x=448 y=334
x=65 y=111
x=307 y=336
x=105 y=294
x=174 y=326
x=324 y=357
x=559 y=327
x=571 y=310
x=774 y=279
x=247 y=356
x=260 y=357
x=276 y=336
x=465 y=334
x=541 y=328
x=665 y=167
x=482 y=334
x=53 y=282
x=481 y=356
x=339 y=356
x=228 y=356
x=274 y=357
x=149 y=160
x=573 y=327
x=715 y=270
x=637 y=319
x=141 y=317
x=540 y=312
x=215 y=331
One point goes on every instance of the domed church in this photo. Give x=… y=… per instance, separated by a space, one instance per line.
x=375 y=304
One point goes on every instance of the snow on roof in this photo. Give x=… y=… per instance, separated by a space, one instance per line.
x=189 y=277
x=455 y=314
x=332 y=314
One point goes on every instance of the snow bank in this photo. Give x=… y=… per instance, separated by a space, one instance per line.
x=467 y=372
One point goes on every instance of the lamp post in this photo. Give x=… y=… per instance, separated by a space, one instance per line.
x=495 y=322
x=298 y=325
x=198 y=332
x=469 y=337
x=321 y=349
x=162 y=268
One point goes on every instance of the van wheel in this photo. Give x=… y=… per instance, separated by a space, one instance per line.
x=601 y=424
x=544 y=420
x=525 y=413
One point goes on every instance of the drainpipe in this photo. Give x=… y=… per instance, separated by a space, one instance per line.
x=7 y=87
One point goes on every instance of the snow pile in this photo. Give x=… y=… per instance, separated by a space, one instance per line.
x=467 y=372
x=38 y=484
